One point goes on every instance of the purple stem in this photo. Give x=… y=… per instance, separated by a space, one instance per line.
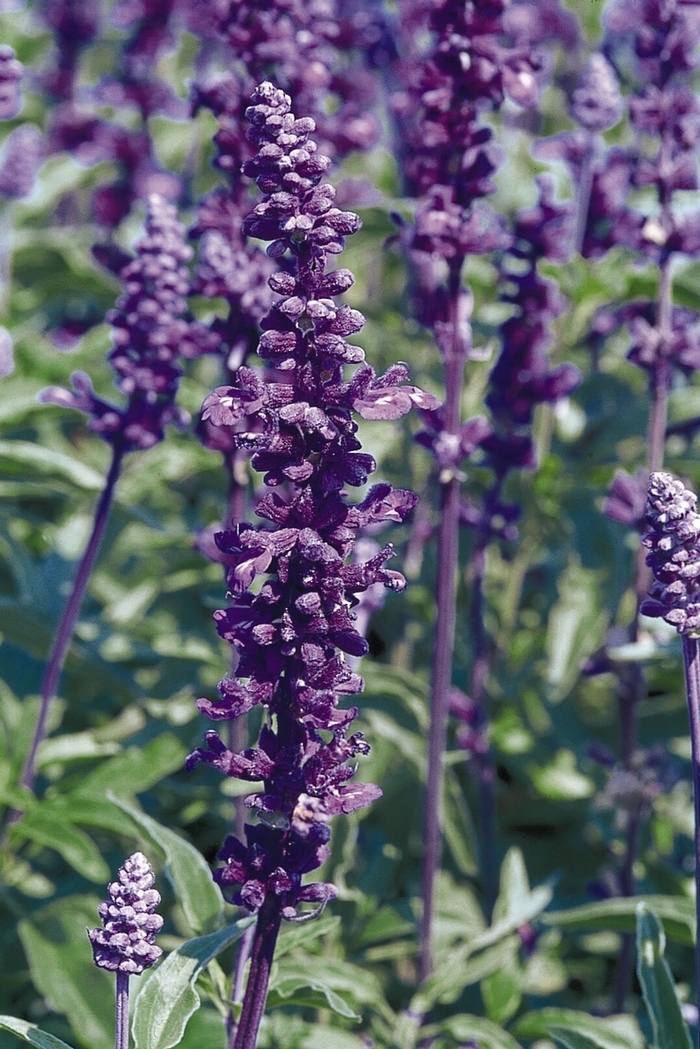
x=585 y=186
x=66 y=626
x=265 y=938
x=446 y=599
x=691 y=664
x=477 y=693
x=632 y=690
x=242 y=956
x=121 y=1026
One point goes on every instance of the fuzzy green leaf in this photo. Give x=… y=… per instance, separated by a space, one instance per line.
x=668 y=1027
x=186 y=868
x=168 y=999
x=31 y=1033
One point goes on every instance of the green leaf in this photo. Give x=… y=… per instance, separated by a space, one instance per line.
x=186 y=868
x=24 y=454
x=668 y=1027
x=330 y=1038
x=488 y=1035
x=136 y=769
x=168 y=999
x=502 y=988
x=293 y=935
x=31 y=1033
x=459 y=970
x=574 y=1039
x=62 y=969
x=619 y=915
x=302 y=991
x=610 y=1032
x=322 y=974
x=55 y=831
x=459 y=830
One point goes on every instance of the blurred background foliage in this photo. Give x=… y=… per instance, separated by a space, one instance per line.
x=145 y=648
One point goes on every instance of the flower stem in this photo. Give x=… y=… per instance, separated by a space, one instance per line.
x=66 y=626
x=477 y=693
x=121 y=1026
x=266 y=930
x=242 y=955
x=691 y=664
x=585 y=186
x=446 y=599
x=632 y=689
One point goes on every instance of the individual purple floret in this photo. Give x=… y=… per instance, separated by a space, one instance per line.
x=11 y=73
x=597 y=103
x=673 y=541
x=291 y=636
x=150 y=335
x=22 y=155
x=125 y=943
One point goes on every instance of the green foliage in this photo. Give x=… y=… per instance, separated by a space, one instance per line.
x=540 y=969
x=199 y=896
x=669 y=1030
x=31 y=1033
x=168 y=998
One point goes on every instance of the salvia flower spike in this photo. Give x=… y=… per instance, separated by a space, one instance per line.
x=293 y=634
x=673 y=541
x=125 y=943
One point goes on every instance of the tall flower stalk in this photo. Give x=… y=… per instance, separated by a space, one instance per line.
x=447 y=160
x=150 y=336
x=292 y=635
x=673 y=541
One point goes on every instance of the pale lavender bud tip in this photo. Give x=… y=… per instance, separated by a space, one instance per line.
x=125 y=942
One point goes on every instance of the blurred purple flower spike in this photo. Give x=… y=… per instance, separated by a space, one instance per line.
x=11 y=73
x=23 y=152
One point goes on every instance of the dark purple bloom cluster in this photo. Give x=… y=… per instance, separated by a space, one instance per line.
x=292 y=633
x=11 y=73
x=315 y=50
x=654 y=41
x=472 y=66
x=673 y=541
x=522 y=377
x=125 y=943
x=150 y=336
x=76 y=124
x=74 y=24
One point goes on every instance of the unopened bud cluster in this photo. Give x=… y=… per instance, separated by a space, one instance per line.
x=125 y=942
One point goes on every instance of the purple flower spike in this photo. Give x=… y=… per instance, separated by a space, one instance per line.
x=293 y=632
x=673 y=540
x=150 y=334
x=125 y=943
x=11 y=73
